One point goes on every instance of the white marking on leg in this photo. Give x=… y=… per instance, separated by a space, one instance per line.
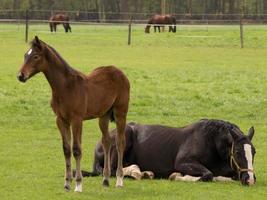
x=191 y=178
x=222 y=178
x=29 y=52
x=179 y=177
x=248 y=155
x=119 y=182
x=79 y=187
x=132 y=171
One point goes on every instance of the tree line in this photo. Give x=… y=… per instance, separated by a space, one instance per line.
x=122 y=7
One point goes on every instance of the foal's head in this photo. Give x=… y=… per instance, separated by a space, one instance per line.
x=35 y=60
x=242 y=156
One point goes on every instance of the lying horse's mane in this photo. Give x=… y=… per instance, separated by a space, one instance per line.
x=213 y=125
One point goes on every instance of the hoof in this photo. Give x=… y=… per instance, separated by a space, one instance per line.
x=174 y=176
x=79 y=187
x=105 y=183
x=148 y=175
x=136 y=175
x=119 y=182
x=119 y=186
x=206 y=177
x=67 y=188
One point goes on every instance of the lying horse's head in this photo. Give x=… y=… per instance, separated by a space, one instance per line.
x=242 y=156
x=34 y=61
x=237 y=148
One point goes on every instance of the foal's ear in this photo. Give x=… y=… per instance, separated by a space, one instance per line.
x=251 y=133
x=37 y=39
x=36 y=43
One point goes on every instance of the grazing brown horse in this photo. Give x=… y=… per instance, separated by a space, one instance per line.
x=59 y=19
x=103 y=94
x=160 y=21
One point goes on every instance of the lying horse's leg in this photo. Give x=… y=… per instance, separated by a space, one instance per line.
x=77 y=150
x=223 y=179
x=106 y=142
x=120 y=117
x=132 y=171
x=64 y=128
x=147 y=175
x=194 y=169
x=178 y=177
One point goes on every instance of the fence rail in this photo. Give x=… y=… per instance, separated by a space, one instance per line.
x=30 y=17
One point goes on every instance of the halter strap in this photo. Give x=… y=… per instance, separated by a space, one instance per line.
x=234 y=163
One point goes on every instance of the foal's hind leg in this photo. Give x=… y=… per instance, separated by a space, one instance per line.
x=106 y=141
x=120 y=118
x=64 y=128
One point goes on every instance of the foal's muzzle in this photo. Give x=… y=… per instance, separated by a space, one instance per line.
x=21 y=77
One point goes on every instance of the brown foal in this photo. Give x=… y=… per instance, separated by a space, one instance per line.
x=103 y=94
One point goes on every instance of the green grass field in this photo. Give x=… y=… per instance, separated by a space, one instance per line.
x=176 y=79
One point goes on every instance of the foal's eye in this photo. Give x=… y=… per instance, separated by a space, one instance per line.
x=35 y=57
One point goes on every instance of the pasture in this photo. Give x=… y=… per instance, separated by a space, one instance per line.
x=175 y=79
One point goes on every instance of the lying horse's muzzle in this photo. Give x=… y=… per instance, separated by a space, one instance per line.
x=247 y=180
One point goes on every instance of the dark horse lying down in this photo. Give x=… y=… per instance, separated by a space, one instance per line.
x=160 y=21
x=204 y=150
x=59 y=19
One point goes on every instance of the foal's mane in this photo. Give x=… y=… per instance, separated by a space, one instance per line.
x=50 y=50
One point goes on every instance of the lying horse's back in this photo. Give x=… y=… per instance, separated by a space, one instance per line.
x=155 y=148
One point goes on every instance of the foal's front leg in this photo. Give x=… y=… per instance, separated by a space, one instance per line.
x=77 y=151
x=64 y=128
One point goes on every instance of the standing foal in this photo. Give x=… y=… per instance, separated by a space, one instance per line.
x=103 y=94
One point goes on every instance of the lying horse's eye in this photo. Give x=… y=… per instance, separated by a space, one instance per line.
x=35 y=57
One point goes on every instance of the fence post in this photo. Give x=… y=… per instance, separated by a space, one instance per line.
x=241 y=33
x=130 y=30
x=26 y=25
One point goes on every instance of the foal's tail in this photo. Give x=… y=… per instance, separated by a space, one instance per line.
x=111 y=115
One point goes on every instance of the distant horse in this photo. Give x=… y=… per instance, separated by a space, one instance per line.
x=103 y=94
x=59 y=19
x=160 y=21
x=203 y=151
